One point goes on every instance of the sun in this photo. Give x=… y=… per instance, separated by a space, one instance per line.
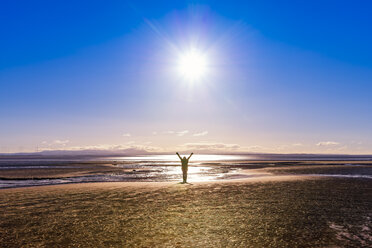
x=192 y=65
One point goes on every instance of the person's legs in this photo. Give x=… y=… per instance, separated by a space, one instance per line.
x=184 y=172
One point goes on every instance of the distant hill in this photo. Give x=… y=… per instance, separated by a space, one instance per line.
x=139 y=152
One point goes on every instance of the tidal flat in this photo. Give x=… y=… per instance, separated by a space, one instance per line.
x=291 y=206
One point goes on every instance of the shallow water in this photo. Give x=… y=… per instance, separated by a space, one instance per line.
x=147 y=168
x=342 y=175
x=154 y=174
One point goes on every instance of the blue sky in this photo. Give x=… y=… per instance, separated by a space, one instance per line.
x=283 y=77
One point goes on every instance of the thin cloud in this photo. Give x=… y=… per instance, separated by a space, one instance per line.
x=169 y=132
x=60 y=142
x=111 y=147
x=127 y=135
x=211 y=146
x=182 y=133
x=327 y=143
x=254 y=148
x=200 y=134
x=178 y=133
x=297 y=144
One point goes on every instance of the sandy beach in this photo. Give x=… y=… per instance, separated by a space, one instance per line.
x=274 y=210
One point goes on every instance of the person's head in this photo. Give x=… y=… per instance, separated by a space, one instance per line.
x=184 y=157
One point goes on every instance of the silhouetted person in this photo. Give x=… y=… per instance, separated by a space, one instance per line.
x=185 y=166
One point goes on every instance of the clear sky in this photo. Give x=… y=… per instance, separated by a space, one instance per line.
x=282 y=76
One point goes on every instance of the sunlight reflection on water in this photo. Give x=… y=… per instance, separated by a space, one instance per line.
x=153 y=174
x=195 y=174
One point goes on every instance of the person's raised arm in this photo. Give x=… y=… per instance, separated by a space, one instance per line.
x=178 y=155
x=190 y=156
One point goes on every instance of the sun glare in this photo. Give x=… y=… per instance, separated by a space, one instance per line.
x=192 y=65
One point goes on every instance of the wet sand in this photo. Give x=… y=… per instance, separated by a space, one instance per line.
x=62 y=172
x=281 y=208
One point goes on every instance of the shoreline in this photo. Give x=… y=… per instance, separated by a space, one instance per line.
x=142 y=185
x=218 y=172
